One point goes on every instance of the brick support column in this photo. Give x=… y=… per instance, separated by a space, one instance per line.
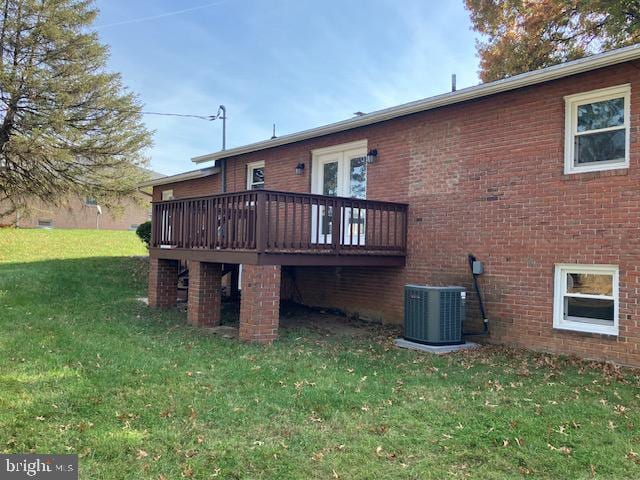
x=205 y=283
x=260 y=303
x=163 y=283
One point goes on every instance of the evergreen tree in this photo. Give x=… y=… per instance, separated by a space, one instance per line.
x=67 y=125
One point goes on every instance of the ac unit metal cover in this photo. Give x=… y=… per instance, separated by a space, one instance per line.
x=433 y=315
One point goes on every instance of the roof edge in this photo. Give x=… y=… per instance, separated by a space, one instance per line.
x=180 y=177
x=554 y=72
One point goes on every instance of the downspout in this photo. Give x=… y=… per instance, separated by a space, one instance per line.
x=485 y=320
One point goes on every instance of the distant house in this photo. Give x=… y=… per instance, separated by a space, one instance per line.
x=86 y=213
x=537 y=175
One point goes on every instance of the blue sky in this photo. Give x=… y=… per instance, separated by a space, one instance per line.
x=295 y=63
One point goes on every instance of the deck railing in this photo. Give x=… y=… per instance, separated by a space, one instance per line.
x=281 y=222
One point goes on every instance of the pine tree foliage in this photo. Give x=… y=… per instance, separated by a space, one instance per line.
x=67 y=125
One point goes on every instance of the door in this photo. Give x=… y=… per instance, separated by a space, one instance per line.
x=341 y=173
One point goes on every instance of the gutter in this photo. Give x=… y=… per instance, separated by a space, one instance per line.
x=139 y=190
x=554 y=72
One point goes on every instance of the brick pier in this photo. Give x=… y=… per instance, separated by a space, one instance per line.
x=260 y=304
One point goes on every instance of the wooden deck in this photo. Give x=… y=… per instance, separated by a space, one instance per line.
x=266 y=227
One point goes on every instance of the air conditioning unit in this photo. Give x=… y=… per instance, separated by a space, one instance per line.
x=434 y=315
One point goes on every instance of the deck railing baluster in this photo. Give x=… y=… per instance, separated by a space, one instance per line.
x=282 y=222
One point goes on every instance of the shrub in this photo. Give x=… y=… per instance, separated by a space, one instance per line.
x=144 y=232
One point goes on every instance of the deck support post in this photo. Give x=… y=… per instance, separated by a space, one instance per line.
x=163 y=282
x=260 y=303
x=204 y=301
x=234 y=282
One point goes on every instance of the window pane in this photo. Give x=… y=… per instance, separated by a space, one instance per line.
x=589 y=308
x=590 y=283
x=600 y=147
x=167 y=195
x=330 y=186
x=358 y=177
x=608 y=113
x=257 y=176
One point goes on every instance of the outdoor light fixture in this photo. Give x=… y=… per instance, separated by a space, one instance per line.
x=300 y=169
x=372 y=155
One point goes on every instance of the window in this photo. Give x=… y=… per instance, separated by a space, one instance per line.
x=255 y=176
x=45 y=223
x=586 y=298
x=167 y=195
x=597 y=130
x=90 y=202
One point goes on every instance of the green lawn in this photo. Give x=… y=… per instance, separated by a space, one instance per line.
x=86 y=368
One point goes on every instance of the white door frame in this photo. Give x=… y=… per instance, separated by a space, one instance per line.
x=342 y=154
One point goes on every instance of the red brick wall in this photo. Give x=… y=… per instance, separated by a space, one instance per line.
x=75 y=214
x=486 y=177
x=204 y=293
x=198 y=187
x=163 y=282
x=260 y=306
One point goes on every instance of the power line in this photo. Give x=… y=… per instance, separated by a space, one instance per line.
x=187 y=115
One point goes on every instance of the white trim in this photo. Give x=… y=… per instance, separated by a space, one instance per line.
x=559 y=288
x=358 y=144
x=250 y=168
x=343 y=168
x=572 y=102
x=574 y=67
x=342 y=155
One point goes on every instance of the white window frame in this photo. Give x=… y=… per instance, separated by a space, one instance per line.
x=559 y=322
x=572 y=102
x=250 y=168
x=168 y=196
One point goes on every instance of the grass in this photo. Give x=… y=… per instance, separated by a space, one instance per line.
x=87 y=369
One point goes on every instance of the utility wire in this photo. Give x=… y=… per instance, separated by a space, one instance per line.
x=208 y=118
x=201 y=117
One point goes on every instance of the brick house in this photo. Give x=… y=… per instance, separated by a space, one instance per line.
x=84 y=213
x=537 y=175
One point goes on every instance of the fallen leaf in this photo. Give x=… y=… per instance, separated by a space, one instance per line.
x=634 y=457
